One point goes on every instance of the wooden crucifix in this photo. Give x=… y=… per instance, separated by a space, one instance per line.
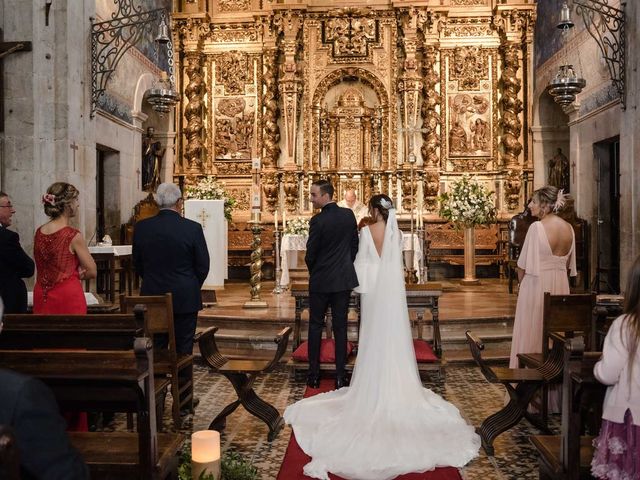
x=7 y=48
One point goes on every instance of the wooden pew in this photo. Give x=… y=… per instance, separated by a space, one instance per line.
x=107 y=381
x=521 y=385
x=568 y=455
x=570 y=315
x=91 y=332
x=445 y=244
x=85 y=332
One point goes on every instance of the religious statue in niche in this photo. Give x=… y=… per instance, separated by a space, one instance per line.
x=470 y=125
x=559 y=171
x=152 y=153
x=234 y=129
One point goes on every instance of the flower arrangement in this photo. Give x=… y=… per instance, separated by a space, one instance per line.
x=297 y=226
x=468 y=203
x=208 y=188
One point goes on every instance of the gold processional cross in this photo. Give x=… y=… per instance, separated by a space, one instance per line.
x=203 y=218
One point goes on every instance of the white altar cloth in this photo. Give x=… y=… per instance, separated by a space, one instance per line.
x=292 y=244
x=210 y=214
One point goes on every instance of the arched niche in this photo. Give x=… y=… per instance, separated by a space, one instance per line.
x=550 y=132
x=330 y=90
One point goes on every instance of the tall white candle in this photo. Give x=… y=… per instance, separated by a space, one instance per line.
x=275 y=219
x=284 y=218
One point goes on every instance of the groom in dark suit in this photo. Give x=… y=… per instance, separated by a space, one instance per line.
x=15 y=264
x=331 y=250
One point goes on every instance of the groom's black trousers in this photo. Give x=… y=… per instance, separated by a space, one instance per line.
x=318 y=303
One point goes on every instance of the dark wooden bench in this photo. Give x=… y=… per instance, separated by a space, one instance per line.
x=521 y=385
x=445 y=244
x=107 y=381
x=242 y=372
x=81 y=332
x=569 y=315
x=91 y=332
x=420 y=297
x=168 y=363
x=568 y=455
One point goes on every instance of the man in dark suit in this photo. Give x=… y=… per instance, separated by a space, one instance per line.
x=331 y=250
x=15 y=264
x=170 y=255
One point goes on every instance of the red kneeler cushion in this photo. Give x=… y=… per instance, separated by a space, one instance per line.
x=327 y=351
x=424 y=352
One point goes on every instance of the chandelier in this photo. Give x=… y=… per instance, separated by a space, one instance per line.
x=162 y=96
x=565 y=86
x=567 y=83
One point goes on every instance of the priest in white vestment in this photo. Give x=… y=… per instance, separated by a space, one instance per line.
x=351 y=201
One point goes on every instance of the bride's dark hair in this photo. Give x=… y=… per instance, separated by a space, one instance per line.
x=378 y=202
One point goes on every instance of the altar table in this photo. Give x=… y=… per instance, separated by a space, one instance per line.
x=107 y=258
x=292 y=244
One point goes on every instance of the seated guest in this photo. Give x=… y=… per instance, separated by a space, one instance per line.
x=15 y=264
x=351 y=201
x=29 y=408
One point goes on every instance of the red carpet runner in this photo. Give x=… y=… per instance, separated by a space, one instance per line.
x=295 y=459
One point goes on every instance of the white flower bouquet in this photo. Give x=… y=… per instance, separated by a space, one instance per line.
x=468 y=203
x=208 y=188
x=297 y=226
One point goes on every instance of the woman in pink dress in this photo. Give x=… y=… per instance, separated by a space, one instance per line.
x=547 y=254
x=61 y=255
x=62 y=262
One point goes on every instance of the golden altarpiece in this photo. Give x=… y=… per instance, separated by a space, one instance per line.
x=358 y=94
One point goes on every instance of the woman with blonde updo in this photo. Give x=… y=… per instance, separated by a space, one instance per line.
x=61 y=255
x=547 y=254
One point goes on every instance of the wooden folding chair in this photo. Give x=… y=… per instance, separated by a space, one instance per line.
x=568 y=315
x=167 y=362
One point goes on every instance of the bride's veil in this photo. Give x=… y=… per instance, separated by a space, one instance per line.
x=386 y=338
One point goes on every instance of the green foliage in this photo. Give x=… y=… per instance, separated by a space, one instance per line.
x=208 y=188
x=236 y=467
x=468 y=203
x=233 y=467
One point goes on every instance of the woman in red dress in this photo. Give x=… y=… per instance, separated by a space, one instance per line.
x=62 y=262
x=61 y=254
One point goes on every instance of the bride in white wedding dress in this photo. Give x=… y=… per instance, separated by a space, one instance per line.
x=386 y=423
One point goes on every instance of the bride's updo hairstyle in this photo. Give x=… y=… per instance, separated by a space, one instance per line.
x=58 y=197
x=382 y=203
x=550 y=199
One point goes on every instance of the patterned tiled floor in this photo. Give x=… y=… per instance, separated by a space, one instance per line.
x=464 y=386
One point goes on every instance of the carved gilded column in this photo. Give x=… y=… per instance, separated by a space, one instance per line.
x=431 y=128
x=194 y=113
x=290 y=182
x=271 y=189
x=410 y=84
x=290 y=83
x=270 y=101
x=511 y=123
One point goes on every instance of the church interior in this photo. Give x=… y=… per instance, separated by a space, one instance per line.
x=244 y=104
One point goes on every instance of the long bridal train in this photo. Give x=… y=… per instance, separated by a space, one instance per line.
x=386 y=423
